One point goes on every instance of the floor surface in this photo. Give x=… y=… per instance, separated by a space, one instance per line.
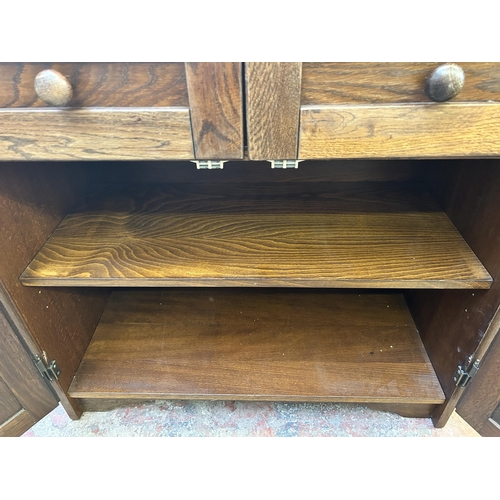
x=241 y=419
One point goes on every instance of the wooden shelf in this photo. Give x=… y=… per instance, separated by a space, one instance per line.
x=285 y=345
x=343 y=235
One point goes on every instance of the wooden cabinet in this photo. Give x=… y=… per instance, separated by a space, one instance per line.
x=377 y=110
x=121 y=111
x=362 y=280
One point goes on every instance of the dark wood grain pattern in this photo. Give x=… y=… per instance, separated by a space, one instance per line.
x=17 y=425
x=445 y=82
x=318 y=235
x=262 y=345
x=482 y=396
x=9 y=405
x=96 y=134
x=377 y=83
x=272 y=106
x=20 y=375
x=400 y=131
x=496 y=415
x=99 y=84
x=34 y=198
x=216 y=103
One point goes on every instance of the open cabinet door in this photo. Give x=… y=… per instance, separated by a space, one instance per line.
x=25 y=397
x=480 y=404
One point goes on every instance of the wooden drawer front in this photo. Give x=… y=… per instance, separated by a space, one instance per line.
x=99 y=84
x=375 y=110
x=369 y=110
x=390 y=83
x=122 y=111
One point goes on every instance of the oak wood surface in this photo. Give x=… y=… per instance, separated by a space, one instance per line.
x=95 y=134
x=481 y=400
x=405 y=410
x=382 y=82
x=99 y=84
x=18 y=372
x=272 y=107
x=350 y=235
x=34 y=198
x=496 y=414
x=9 y=405
x=216 y=105
x=400 y=130
x=262 y=345
x=17 y=425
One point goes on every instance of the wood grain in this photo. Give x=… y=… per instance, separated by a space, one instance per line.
x=482 y=396
x=95 y=134
x=17 y=425
x=453 y=325
x=34 y=198
x=19 y=373
x=317 y=235
x=216 y=104
x=400 y=131
x=272 y=107
x=9 y=405
x=405 y=410
x=99 y=84
x=261 y=345
x=382 y=82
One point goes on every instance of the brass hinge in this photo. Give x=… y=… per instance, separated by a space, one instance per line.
x=209 y=164
x=50 y=371
x=285 y=163
x=463 y=376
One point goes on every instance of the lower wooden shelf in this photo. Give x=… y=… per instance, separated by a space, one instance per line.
x=249 y=344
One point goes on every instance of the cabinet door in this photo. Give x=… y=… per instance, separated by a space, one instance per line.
x=372 y=110
x=24 y=396
x=480 y=404
x=120 y=111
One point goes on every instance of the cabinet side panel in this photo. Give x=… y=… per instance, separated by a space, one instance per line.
x=34 y=198
x=453 y=323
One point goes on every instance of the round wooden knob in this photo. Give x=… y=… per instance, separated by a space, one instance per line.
x=445 y=82
x=53 y=88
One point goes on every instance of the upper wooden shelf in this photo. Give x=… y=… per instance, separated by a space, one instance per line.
x=349 y=235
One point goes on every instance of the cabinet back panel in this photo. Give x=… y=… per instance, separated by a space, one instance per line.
x=252 y=172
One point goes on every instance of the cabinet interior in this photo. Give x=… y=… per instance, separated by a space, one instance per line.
x=360 y=281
